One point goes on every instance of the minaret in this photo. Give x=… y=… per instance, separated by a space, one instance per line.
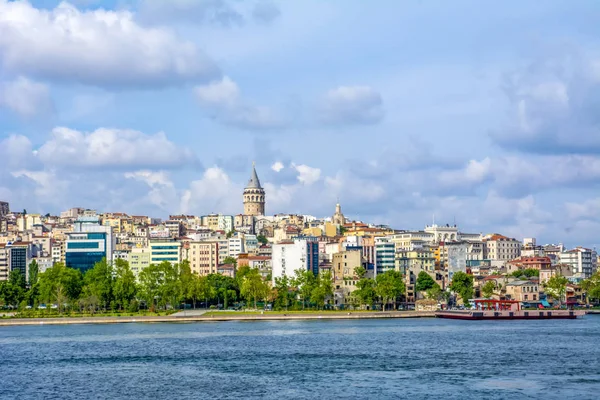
x=254 y=195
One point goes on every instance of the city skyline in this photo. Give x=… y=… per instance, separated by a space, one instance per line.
x=469 y=123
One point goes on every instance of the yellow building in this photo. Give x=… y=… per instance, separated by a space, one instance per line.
x=330 y=229
x=313 y=232
x=139 y=258
x=203 y=257
x=415 y=260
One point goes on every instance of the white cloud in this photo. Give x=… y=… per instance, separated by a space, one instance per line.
x=277 y=166
x=95 y=47
x=162 y=190
x=214 y=192
x=16 y=152
x=348 y=105
x=307 y=175
x=223 y=100
x=112 y=148
x=26 y=98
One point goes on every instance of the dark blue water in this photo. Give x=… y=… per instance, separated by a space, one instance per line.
x=366 y=359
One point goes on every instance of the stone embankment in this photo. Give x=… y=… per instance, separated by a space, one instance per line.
x=178 y=318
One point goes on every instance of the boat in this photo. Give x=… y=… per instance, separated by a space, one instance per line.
x=489 y=309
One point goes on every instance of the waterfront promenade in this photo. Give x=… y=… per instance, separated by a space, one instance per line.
x=218 y=316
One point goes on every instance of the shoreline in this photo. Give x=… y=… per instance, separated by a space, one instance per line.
x=217 y=318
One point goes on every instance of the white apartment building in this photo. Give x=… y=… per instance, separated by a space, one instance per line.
x=236 y=246
x=582 y=261
x=501 y=248
x=289 y=257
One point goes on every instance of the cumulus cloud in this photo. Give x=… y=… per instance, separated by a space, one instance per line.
x=307 y=175
x=223 y=101
x=554 y=107
x=112 y=148
x=162 y=192
x=16 y=152
x=352 y=105
x=95 y=47
x=26 y=98
x=214 y=192
x=277 y=166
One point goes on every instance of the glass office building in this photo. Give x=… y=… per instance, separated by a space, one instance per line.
x=88 y=244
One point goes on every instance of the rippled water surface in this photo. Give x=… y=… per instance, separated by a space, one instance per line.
x=359 y=359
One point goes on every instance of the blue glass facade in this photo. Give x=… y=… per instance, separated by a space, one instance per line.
x=83 y=260
x=85 y=249
x=18 y=260
x=312 y=252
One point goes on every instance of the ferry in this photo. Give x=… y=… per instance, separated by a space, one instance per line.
x=489 y=309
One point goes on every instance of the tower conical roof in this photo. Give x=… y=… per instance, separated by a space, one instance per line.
x=254 y=182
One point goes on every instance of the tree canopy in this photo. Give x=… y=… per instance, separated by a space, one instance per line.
x=424 y=282
x=462 y=284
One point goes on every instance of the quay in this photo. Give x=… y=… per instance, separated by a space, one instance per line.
x=209 y=317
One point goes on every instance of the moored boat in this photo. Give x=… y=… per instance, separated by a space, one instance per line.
x=506 y=309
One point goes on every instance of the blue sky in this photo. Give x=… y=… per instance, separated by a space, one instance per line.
x=483 y=115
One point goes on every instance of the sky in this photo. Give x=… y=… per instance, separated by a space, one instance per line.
x=487 y=117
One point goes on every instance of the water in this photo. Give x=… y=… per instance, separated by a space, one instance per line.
x=358 y=359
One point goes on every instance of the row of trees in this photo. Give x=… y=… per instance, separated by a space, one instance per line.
x=114 y=287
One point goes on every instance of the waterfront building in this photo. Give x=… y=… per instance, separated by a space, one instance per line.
x=291 y=256
x=254 y=196
x=88 y=244
x=203 y=257
x=385 y=255
x=4 y=268
x=583 y=261
x=501 y=248
x=526 y=291
x=139 y=258
x=165 y=250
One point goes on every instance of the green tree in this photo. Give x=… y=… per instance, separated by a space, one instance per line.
x=389 y=286
x=284 y=295
x=462 y=283
x=556 y=287
x=98 y=282
x=230 y=260
x=305 y=281
x=225 y=287
x=530 y=272
x=435 y=293
x=60 y=284
x=322 y=289
x=253 y=287
x=365 y=291
x=360 y=272
x=12 y=292
x=151 y=281
x=487 y=290
x=34 y=270
x=124 y=286
x=424 y=282
x=262 y=239
x=591 y=287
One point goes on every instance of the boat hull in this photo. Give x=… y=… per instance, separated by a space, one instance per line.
x=507 y=315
